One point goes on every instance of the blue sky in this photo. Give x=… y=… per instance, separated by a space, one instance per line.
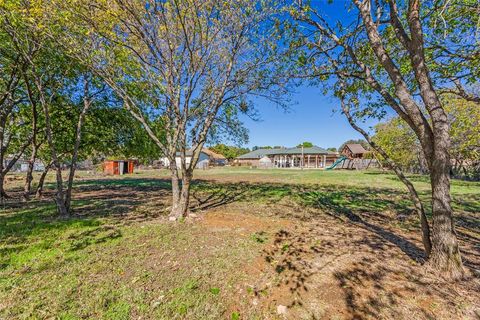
x=312 y=117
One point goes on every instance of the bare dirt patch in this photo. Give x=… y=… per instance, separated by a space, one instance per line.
x=326 y=269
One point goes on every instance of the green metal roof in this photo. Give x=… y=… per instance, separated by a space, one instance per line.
x=260 y=153
x=257 y=154
x=312 y=150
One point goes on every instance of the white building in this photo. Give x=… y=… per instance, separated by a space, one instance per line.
x=207 y=158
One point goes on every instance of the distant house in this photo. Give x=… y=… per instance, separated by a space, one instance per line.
x=313 y=157
x=353 y=150
x=21 y=165
x=207 y=158
x=253 y=158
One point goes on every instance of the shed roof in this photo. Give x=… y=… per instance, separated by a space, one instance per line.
x=356 y=148
x=213 y=154
x=256 y=154
x=208 y=152
x=311 y=150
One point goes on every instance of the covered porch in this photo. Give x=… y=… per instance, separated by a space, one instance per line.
x=309 y=161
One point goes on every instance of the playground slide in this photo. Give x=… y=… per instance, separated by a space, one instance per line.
x=343 y=158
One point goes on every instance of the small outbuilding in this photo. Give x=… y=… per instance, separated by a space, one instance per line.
x=118 y=167
x=353 y=151
x=265 y=162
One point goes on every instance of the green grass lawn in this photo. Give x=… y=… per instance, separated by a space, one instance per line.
x=118 y=258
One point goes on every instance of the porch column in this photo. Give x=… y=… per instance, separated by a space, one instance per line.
x=324 y=161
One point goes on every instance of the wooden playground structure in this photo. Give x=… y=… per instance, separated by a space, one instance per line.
x=352 y=157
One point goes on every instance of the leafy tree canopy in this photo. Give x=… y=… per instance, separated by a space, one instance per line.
x=229 y=152
x=305 y=144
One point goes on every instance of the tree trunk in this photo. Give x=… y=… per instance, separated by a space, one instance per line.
x=445 y=256
x=41 y=182
x=3 y=194
x=185 y=194
x=59 y=196
x=29 y=177
x=181 y=196
x=174 y=212
x=71 y=175
x=78 y=138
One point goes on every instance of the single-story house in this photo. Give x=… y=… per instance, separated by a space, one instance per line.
x=207 y=158
x=313 y=157
x=253 y=158
x=353 y=150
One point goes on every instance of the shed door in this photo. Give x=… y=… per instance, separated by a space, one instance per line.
x=121 y=165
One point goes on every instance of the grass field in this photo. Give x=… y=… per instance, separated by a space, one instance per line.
x=324 y=244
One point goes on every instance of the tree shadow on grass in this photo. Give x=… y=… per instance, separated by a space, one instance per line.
x=25 y=223
x=215 y=196
x=294 y=253
x=366 y=208
x=207 y=195
x=377 y=211
x=372 y=209
x=332 y=204
x=37 y=225
x=369 y=294
x=333 y=201
x=138 y=184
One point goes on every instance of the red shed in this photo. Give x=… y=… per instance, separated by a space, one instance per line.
x=118 y=166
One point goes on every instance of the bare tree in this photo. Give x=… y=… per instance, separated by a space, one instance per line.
x=176 y=64
x=382 y=54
